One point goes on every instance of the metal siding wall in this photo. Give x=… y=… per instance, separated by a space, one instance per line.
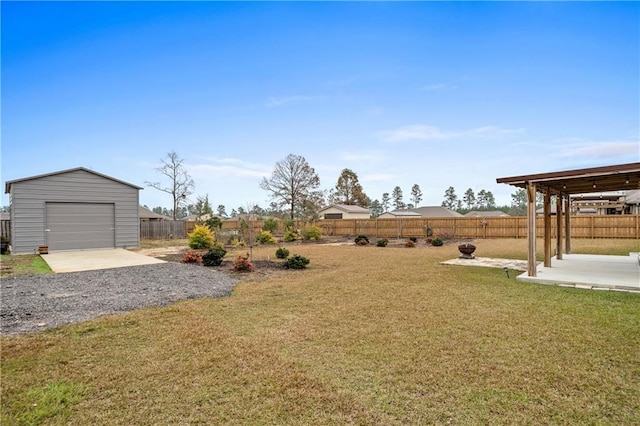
x=29 y=197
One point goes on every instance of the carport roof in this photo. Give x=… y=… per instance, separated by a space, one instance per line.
x=7 y=187
x=607 y=178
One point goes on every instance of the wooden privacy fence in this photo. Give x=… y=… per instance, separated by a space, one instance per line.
x=6 y=228
x=596 y=226
x=163 y=229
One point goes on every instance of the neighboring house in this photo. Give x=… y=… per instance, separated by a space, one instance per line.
x=71 y=210
x=603 y=203
x=611 y=202
x=435 y=211
x=147 y=215
x=203 y=218
x=494 y=213
x=344 y=211
x=400 y=214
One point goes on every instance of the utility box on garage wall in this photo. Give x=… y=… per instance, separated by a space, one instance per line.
x=73 y=209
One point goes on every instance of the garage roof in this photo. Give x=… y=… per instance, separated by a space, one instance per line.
x=607 y=178
x=7 y=187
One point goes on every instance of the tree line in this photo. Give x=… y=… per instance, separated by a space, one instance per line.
x=294 y=190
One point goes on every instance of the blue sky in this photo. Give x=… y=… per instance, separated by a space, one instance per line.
x=437 y=94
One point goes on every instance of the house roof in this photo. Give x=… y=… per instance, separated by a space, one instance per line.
x=403 y=213
x=493 y=213
x=579 y=181
x=145 y=213
x=435 y=211
x=347 y=208
x=7 y=187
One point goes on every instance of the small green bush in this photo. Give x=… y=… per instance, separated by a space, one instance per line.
x=270 y=225
x=282 y=253
x=265 y=237
x=437 y=241
x=296 y=262
x=214 y=223
x=311 y=233
x=214 y=256
x=414 y=239
x=382 y=243
x=362 y=240
x=201 y=237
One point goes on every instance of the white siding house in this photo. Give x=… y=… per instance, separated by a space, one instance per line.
x=344 y=211
x=71 y=210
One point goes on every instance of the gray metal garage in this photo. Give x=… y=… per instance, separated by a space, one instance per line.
x=73 y=209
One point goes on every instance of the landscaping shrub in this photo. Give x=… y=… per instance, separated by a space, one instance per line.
x=265 y=237
x=270 y=225
x=311 y=233
x=296 y=262
x=242 y=264
x=201 y=237
x=445 y=235
x=362 y=240
x=282 y=253
x=409 y=243
x=437 y=241
x=382 y=243
x=290 y=236
x=414 y=239
x=214 y=256
x=192 y=257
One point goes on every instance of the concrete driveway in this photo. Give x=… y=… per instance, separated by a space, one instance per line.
x=91 y=260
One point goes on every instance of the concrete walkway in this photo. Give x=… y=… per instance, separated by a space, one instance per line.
x=595 y=272
x=91 y=260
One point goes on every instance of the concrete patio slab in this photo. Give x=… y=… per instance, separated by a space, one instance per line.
x=91 y=260
x=490 y=262
x=586 y=271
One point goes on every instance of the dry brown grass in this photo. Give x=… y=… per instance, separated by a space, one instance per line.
x=366 y=335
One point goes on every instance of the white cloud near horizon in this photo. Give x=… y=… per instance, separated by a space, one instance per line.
x=426 y=133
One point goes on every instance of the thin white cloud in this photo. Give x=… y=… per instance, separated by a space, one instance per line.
x=276 y=101
x=427 y=133
x=339 y=82
x=228 y=167
x=370 y=157
x=377 y=177
x=600 y=150
x=438 y=87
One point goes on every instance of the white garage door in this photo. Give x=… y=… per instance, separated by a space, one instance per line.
x=74 y=226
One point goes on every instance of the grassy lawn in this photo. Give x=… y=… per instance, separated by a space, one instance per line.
x=23 y=264
x=366 y=335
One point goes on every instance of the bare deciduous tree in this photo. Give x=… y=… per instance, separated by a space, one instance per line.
x=181 y=184
x=291 y=182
